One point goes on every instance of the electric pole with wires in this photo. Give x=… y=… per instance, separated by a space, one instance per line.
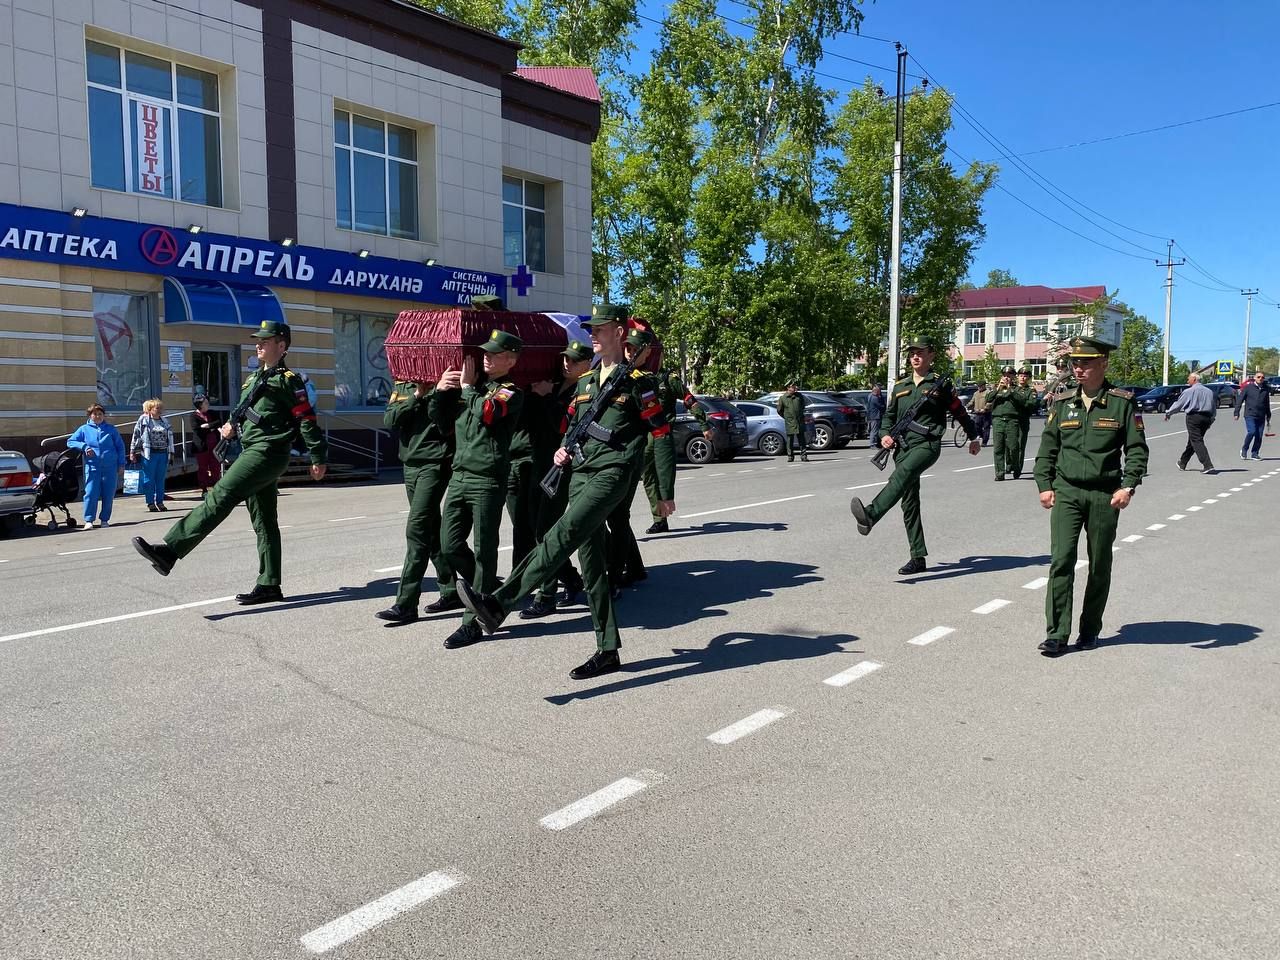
x=1170 y=263
x=895 y=263
x=1248 y=315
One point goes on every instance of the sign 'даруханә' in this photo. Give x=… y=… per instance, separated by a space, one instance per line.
x=55 y=236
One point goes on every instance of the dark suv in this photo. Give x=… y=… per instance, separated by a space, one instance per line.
x=1224 y=392
x=1160 y=399
x=836 y=421
x=728 y=431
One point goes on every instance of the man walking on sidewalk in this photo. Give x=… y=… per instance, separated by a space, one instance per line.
x=1200 y=405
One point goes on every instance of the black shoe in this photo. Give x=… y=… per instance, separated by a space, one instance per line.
x=1209 y=469
x=259 y=594
x=444 y=605
x=1017 y=474
x=162 y=508
x=1086 y=643
x=394 y=614
x=488 y=612
x=860 y=514
x=1053 y=648
x=541 y=607
x=999 y=477
x=659 y=526
x=572 y=598
x=1182 y=465
x=602 y=662
x=791 y=459
x=464 y=636
x=914 y=565
x=160 y=556
x=152 y=508
x=804 y=459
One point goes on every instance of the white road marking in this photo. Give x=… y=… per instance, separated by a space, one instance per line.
x=385 y=908
x=864 y=486
x=1194 y=509
x=857 y=671
x=1178 y=516
x=285 y=526
x=937 y=633
x=1036 y=584
x=710 y=475
x=1210 y=500
x=991 y=606
x=1248 y=483
x=1133 y=538
x=1115 y=549
x=978 y=467
x=117 y=619
x=394 y=569
x=744 y=506
x=748 y=725
x=748 y=470
x=602 y=799
x=1156 y=526
x=344 y=519
x=1237 y=489
x=72 y=553
x=1161 y=436
x=1081 y=564
x=1222 y=495
x=768 y=468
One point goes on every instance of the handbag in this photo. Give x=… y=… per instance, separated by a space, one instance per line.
x=132 y=480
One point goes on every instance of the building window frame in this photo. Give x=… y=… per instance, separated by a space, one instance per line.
x=969 y=371
x=525 y=208
x=1037 y=331
x=374 y=385
x=1067 y=329
x=975 y=334
x=348 y=152
x=1006 y=331
x=1039 y=369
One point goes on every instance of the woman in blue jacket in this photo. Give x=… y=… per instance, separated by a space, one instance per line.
x=102 y=450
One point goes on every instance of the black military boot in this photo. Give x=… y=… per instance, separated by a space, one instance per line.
x=659 y=526
x=541 y=607
x=444 y=605
x=859 y=511
x=464 y=636
x=397 y=614
x=259 y=594
x=488 y=611
x=1086 y=643
x=602 y=662
x=914 y=565
x=160 y=555
x=1053 y=648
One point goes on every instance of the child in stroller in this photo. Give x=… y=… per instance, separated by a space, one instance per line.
x=57 y=485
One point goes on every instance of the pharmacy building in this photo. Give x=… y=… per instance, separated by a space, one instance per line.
x=173 y=173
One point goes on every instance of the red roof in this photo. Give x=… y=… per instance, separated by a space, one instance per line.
x=579 y=81
x=994 y=297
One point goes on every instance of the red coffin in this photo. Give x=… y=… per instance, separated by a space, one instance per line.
x=422 y=344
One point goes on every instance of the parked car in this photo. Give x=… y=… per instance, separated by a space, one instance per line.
x=1137 y=392
x=1273 y=384
x=766 y=430
x=836 y=422
x=1225 y=391
x=1160 y=399
x=17 y=493
x=728 y=431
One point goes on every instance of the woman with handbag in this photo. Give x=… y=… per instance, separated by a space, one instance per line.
x=152 y=439
x=206 y=423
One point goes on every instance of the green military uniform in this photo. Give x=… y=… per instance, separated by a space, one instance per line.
x=523 y=494
x=1007 y=406
x=1089 y=450
x=1030 y=401
x=670 y=389
x=483 y=417
x=790 y=407
x=426 y=453
x=266 y=436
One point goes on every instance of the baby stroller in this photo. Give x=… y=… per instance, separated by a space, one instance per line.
x=58 y=485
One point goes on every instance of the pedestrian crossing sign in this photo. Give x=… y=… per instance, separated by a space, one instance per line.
x=1226 y=368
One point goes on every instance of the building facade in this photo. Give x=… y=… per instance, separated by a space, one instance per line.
x=173 y=172
x=1021 y=323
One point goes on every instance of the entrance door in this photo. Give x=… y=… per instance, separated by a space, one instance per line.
x=215 y=373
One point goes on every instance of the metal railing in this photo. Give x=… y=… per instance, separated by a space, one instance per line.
x=177 y=456
x=373 y=453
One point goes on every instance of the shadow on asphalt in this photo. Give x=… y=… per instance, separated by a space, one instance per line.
x=1202 y=636
x=729 y=651
x=967 y=566
x=722 y=526
x=374 y=588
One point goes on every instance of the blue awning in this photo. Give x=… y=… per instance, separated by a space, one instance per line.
x=216 y=302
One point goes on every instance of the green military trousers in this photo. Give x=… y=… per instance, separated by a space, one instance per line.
x=649 y=473
x=550 y=510
x=1006 y=433
x=1076 y=509
x=474 y=504
x=904 y=485
x=623 y=551
x=523 y=499
x=592 y=497
x=1024 y=430
x=425 y=487
x=251 y=479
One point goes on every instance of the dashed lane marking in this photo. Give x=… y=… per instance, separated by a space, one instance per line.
x=1237 y=489
x=1156 y=526
x=744 y=506
x=978 y=467
x=748 y=470
x=710 y=475
x=926 y=638
x=1081 y=564
x=748 y=725
x=1036 y=584
x=389 y=569
x=72 y=553
x=345 y=519
x=856 y=672
x=1223 y=495
x=991 y=606
x=864 y=486
x=1178 y=516
x=1194 y=509
x=602 y=799
x=1133 y=538
x=1210 y=500
x=117 y=619
x=385 y=908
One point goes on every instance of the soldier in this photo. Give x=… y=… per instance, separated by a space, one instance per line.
x=790 y=407
x=1093 y=455
x=426 y=452
x=276 y=405
x=523 y=493
x=1030 y=402
x=626 y=565
x=1005 y=409
x=670 y=389
x=598 y=483
x=484 y=417
x=914 y=453
x=575 y=362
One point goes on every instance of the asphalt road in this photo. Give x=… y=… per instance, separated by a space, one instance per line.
x=779 y=771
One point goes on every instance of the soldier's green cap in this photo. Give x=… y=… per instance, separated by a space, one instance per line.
x=603 y=313
x=918 y=343
x=1024 y=372
x=639 y=338
x=501 y=342
x=487 y=301
x=577 y=351
x=1008 y=372
x=1083 y=348
x=272 y=328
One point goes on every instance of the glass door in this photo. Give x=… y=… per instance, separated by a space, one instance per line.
x=215 y=374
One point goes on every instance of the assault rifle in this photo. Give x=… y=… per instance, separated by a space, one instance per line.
x=907 y=422
x=587 y=426
x=225 y=450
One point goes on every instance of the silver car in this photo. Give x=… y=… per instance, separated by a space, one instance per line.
x=17 y=495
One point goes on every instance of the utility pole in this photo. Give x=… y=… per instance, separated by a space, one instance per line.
x=895 y=264
x=1248 y=313
x=1168 y=304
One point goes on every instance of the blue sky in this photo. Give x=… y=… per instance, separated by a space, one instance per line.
x=1039 y=74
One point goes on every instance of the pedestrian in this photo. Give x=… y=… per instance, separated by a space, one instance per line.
x=1006 y=405
x=915 y=453
x=790 y=407
x=1255 y=402
x=875 y=414
x=273 y=405
x=980 y=411
x=1029 y=403
x=206 y=424
x=102 y=450
x=1200 y=405
x=152 y=440
x=483 y=410
x=426 y=454
x=1093 y=455
x=598 y=482
x=670 y=389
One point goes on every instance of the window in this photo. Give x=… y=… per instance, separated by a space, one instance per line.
x=154 y=126
x=376 y=175
x=970 y=370
x=361 y=378
x=975 y=333
x=1039 y=369
x=1006 y=331
x=122 y=348
x=1068 y=329
x=524 y=223
x=1037 y=331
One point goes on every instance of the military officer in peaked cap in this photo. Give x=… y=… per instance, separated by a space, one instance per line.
x=1093 y=455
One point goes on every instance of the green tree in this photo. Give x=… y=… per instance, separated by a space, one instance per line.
x=1139 y=359
x=1000 y=277
x=1266 y=359
x=987 y=370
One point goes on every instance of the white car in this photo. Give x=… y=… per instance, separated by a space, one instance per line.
x=17 y=493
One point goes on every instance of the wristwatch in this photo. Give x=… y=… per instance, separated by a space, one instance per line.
x=1131 y=490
